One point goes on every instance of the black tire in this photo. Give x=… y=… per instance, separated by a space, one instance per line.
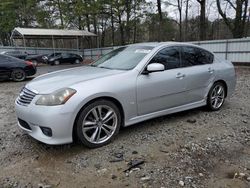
x=77 y=61
x=86 y=111
x=18 y=75
x=35 y=62
x=56 y=62
x=210 y=98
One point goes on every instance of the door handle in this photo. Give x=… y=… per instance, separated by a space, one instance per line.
x=210 y=70
x=180 y=75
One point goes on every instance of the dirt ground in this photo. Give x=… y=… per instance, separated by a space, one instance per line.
x=195 y=148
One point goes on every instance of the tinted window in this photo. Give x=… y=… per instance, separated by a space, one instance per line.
x=195 y=56
x=66 y=55
x=169 y=57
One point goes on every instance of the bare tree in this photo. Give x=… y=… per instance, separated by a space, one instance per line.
x=237 y=25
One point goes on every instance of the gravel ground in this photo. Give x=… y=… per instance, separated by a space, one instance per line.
x=195 y=148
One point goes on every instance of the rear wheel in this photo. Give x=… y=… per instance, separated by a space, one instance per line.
x=77 y=61
x=216 y=96
x=18 y=75
x=98 y=123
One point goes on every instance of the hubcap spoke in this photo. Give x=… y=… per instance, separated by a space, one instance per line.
x=108 y=126
x=108 y=116
x=100 y=112
x=94 y=135
x=106 y=131
x=94 y=112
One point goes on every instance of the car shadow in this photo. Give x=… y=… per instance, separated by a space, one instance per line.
x=76 y=147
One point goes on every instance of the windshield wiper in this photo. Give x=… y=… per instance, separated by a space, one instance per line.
x=105 y=68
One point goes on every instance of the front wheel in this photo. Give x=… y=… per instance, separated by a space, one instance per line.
x=98 y=123
x=56 y=62
x=216 y=96
x=18 y=75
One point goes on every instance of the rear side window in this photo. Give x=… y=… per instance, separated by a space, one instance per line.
x=169 y=57
x=192 y=56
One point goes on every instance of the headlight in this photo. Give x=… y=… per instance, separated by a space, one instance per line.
x=56 y=98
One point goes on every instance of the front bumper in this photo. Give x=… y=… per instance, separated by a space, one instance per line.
x=53 y=117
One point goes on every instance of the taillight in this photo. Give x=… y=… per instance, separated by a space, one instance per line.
x=28 y=63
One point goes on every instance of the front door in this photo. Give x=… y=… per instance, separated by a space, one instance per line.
x=162 y=90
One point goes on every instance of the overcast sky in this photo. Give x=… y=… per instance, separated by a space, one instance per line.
x=211 y=11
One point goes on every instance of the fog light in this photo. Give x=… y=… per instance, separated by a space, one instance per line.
x=47 y=131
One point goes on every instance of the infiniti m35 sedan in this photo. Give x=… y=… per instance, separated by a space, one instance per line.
x=126 y=86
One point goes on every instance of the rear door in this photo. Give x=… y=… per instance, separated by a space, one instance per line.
x=66 y=58
x=199 y=70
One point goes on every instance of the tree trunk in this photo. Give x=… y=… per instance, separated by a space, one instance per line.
x=202 y=19
x=121 y=30
x=112 y=25
x=135 y=21
x=128 y=10
x=160 y=20
x=180 y=18
x=94 y=23
x=87 y=21
x=159 y=9
x=60 y=13
x=186 y=21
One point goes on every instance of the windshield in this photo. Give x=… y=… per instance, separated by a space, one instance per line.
x=123 y=58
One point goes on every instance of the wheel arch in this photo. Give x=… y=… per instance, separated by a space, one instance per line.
x=109 y=98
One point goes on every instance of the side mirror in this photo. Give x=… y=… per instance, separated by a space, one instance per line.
x=154 y=67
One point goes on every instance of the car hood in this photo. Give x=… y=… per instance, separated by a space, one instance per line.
x=61 y=79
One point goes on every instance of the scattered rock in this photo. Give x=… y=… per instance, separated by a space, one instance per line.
x=242 y=174
x=102 y=171
x=116 y=160
x=113 y=176
x=134 y=152
x=191 y=120
x=145 y=178
x=97 y=166
x=181 y=183
x=201 y=175
x=134 y=163
x=244 y=121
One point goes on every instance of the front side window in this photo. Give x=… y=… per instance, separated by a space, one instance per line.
x=123 y=58
x=192 y=56
x=169 y=57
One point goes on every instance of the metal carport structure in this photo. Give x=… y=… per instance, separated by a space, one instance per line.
x=36 y=34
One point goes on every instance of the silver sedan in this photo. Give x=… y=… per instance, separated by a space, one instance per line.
x=126 y=86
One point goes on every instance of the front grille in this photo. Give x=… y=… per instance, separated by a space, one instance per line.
x=24 y=124
x=25 y=97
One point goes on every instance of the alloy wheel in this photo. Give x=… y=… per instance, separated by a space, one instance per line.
x=99 y=124
x=217 y=96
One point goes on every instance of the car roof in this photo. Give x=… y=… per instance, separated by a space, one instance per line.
x=169 y=43
x=156 y=44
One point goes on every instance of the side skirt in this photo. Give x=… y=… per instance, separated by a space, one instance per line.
x=141 y=118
